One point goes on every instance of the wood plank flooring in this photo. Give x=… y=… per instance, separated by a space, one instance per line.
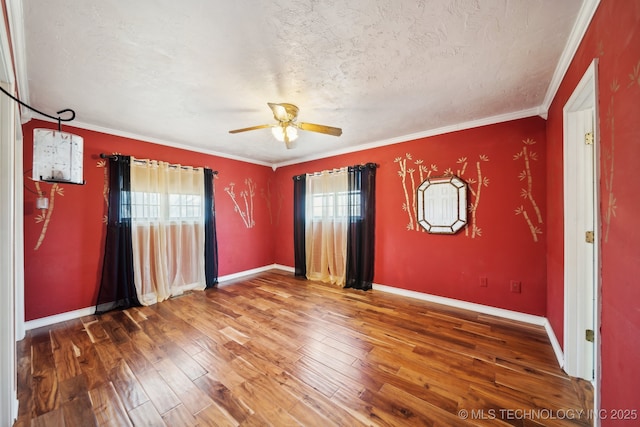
x=274 y=350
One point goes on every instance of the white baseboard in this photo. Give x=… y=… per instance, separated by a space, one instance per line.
x=16 y=407
x=57 y=318
x=480 y=308
x=284 y=268
x=485 y=309
x=240 y=274
x=557 y=349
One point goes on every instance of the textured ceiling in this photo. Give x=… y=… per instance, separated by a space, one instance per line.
x=186 y=72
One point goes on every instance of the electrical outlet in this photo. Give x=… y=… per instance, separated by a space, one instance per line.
x=484 y=282
x=516 y=286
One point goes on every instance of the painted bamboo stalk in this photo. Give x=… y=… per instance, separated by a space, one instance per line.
x=252 y=193
x=280 y=200
x=532 y=228
x=460 y=173
x=464 y=162
x=266 y=194
x=105 y=188
x=530 y=185
x=413 y=193
x=611 y=201
x=246 y=206
x=634 y=76
x=231 y=193
x=474 y=219
x=45 y=226
x=421 y=169
x=403 y=175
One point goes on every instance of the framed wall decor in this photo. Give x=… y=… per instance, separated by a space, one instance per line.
x=442 y=204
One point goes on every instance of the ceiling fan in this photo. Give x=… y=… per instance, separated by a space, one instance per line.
x=286 y=129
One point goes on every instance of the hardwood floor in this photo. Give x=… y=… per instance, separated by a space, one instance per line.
x=274 y=350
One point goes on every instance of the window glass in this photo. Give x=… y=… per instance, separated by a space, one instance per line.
x=335 y=205
x=180 y=207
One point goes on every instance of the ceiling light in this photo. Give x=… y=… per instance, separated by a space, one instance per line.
x=281 y=133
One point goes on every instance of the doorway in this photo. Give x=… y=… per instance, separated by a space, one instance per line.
x=582 y=231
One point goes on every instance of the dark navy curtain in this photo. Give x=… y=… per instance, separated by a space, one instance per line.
x=299 y=196
x=117 y=288
x=361 y=231
x=210 y=238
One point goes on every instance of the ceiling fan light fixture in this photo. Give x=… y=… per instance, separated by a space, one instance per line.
x=281 y=133
x=286 y=130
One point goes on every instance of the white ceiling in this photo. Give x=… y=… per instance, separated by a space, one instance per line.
x=186 y=72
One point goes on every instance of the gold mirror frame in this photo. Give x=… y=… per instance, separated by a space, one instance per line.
x=442 y=204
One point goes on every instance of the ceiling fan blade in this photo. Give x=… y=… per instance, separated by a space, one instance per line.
x=251 y=128
x=283 y=112
x=320 y=128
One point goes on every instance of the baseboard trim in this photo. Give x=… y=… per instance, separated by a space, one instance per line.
x=234 y=276
x=484 y=309
x=284 y=267
x=57 y=318
x=480 y=308
x=557 y=348
x=15 y=409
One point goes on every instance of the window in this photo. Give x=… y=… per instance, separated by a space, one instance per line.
x=185 y=206
x=335 y=205
x=145 y=206
x=180 y=207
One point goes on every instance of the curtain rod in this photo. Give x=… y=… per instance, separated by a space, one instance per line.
x=115 y=157
x=360 y=167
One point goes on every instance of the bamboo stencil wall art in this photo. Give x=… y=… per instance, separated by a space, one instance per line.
x=410 y=170
x=530 y=212
x=43 y=217
x=105 y=187
x=475 y=188
x=268 y=195
x=244 y=208
x=410 y=187
x=608 y=161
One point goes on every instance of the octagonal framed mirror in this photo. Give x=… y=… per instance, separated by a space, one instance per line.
x=442 y=204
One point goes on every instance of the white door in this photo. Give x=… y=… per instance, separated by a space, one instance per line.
x=581 y=229
x=580 y=251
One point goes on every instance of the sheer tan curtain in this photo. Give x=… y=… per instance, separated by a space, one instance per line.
x=326 y=226
x=167 y=229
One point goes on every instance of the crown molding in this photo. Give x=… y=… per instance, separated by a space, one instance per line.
x=130 y=135
x=424 y=134
x=536 y=111
x=587 y=10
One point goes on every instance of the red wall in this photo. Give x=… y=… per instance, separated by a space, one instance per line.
x=63 y=274
x=614 y=38
x=502 y=250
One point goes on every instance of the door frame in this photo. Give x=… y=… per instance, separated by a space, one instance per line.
x=8 y=233
x=585 y=96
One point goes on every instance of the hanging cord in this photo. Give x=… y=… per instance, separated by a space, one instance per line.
x=59 y=119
